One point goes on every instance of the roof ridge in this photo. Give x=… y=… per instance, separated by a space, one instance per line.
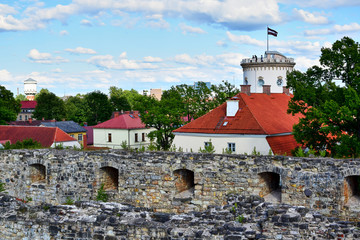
x=254 y=116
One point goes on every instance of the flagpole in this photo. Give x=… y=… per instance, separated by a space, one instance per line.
x=267 y=34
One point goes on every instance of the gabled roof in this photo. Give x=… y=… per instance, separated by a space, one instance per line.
x=282 y=145
x=45 y=135
x=127 y=120
x=66 y=126
x=258 y=113
x=28 y=104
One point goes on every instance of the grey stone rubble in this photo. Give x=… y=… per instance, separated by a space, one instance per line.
x=110 y=221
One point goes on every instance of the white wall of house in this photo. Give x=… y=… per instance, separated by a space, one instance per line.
x=70 y=144
x=243 y=143
x=102 y=137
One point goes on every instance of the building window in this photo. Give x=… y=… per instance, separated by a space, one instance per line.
x=246 y=81
x=231 y=147
x=80 y=137
x=109 y=137
x=143 y=137
x=261 y=81
x=136 y=137
x=20 y=117
x=279 y=81
x=72 y=135
x=26 y=117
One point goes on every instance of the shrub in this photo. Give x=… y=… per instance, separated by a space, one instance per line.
x=102 y=195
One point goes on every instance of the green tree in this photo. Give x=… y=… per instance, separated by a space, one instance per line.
x=222 y=92
x=117 y=96
x=21 y=97
x=9 y=107
x=49 y=106
x=330 y=113
x=164 y=115
x=76 y=109
x=99 y=107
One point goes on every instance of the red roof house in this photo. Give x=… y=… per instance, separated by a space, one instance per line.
x=27 y=109
x=47 y=136
x=124 y=128
x=245 y=122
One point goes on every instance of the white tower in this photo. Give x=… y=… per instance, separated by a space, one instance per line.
x=30 y=88
x=270 y=69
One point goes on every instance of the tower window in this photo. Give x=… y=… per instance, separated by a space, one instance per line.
x=279 y=81
x=261 y=81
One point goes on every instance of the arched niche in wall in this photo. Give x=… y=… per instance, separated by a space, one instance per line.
x=184 y=183
x=109 y=176
x=37 y=173
x=270 y=186
x=352 y=190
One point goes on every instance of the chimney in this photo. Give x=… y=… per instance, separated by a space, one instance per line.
x=266 y=89
x=232 y=106
x=116 y=114
x=286 y=90
x=245 y=89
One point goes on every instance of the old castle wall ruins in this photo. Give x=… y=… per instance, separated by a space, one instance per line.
x=169 y=183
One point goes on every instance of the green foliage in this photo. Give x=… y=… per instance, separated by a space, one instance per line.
x=124 y=145
x=76 y=109
x=164 y=116
x=59 y=146
x=2 y=187
x=49 y=106
x=227 y=151
x=99 y=107
x=172 y=148
x=46 y=207
x=209 y=148
x=270 y=152
x=240 y=218
x=180 y=149
x=330 y=116
x=21 y=97
x=69 y=201
x=25 y=144
x=254 y=152
x=299 y=152
x=102 y=195
x=122 y=99
x=9 y=107
x=322 y=153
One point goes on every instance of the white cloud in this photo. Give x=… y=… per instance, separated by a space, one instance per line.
x=303 y=63
x=157 y=21
x=46 y=58
x=81 y=50
x=64 y=33
x=152 y=59
x=108 y=61
x=6 y=9
x=313 y=18
x=189 y=29
x=323 y=3
x=86 y=22
x=244 y=39
x=352 y=27
x=57 y=70
x=5 y=75
x=197 y=60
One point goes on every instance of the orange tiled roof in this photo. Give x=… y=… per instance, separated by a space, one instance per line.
x=258 y=113
x=45 y=135
x=126 y=120
x=282 y=145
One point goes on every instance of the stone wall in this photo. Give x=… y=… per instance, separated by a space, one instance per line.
x=182 y=182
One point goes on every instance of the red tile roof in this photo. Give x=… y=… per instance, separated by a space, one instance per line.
x=258 y=113
x=282 y=145
x=45 y=135
x=28 y=104
x=126 y=120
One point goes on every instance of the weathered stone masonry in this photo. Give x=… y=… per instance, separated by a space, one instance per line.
x=182 y=182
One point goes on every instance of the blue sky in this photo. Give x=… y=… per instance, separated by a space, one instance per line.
x=80 y=46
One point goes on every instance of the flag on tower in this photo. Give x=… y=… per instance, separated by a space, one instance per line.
x=272 y=32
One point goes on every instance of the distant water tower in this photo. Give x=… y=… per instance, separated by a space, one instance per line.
x=270 y=69
x=30 y=89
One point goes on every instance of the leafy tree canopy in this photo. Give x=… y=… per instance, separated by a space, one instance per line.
x=76 y=109
x=49 y=106
x=118 y=96
x=331 y=112
x=21 y=97
x=9 y=107
x=99 y=107
x=164 y=115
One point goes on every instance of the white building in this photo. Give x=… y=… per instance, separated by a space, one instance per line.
x=126 y=128
x=30 y=89
x=270 y=69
